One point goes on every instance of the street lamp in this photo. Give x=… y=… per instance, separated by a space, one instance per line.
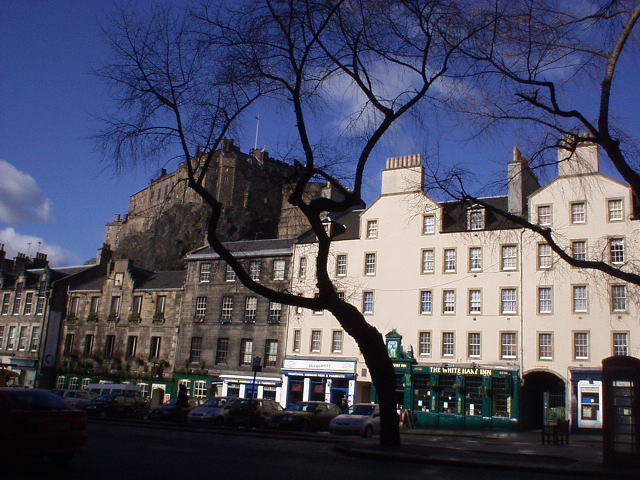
x=256 y=366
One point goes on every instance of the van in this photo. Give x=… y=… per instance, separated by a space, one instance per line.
x=99 y=389
x=74 y=397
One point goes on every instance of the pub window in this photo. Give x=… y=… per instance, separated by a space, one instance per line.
x=473 y=395
x=448 y=394
x=501 y=396
x=422 y=396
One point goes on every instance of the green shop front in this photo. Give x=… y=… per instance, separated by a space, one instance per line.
x=457 y=396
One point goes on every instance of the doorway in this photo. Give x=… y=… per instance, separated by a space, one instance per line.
x=542 y=398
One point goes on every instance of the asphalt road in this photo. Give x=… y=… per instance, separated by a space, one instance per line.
x=116 y=451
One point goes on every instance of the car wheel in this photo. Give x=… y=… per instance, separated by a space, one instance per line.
x=219 y=421
x=368 y=432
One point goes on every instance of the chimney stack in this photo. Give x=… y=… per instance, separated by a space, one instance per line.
x=522 y=182
x=403 y=174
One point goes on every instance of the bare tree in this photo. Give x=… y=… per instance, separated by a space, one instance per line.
x=551 y=68
x=185 y=80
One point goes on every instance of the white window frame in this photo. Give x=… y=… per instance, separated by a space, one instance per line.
x=580 y=303
x=578 y=212
x=255 y=267
x=449 y=260
x=201 y=308
x=448 y=302
x=545 y=300
x=368 y=302
x=620 y=343
x=424 y=344
x=427 y=260
x=205 y=272
x=616 y=250
x=544 y=256
x=315 y=343
x=337 y=338
x=508 y=345
x=426 y=302
x=476 y=219
x=579 y=249
x=619 y=298
x=475 y=259
x=250 y=309
x=229 y=274
x=545 y=349
x=474 y=346
x=226 y=309
x=448 y=344
x=341 y=265
x=509 y=258
x=583 y=346
x=370 y=263
x=615 y=209
x=302 y=267
x=544 y=217
x=428 y=224
x=275 y=312
x=475 y=301
x=372 y=228
x=297 y=338
x=279 y=269
x=508 y=301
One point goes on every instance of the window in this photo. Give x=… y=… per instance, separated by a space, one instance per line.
x=137 y=304
x=28 y=303
x=73 y=383
x=372 y=229
x=426 y=302
x=369 y=263
x=222 y=350
x=250 y=308
x=316 y=340
x=475 y=302
x=579 y=249
x=449 y=260
x=40 y=304
x=73 y=306
x=476 y=220
x=545 y=301
x=278 y=269
x=68 y=342
x=616 y=211
x=11 y=338
x=132 y=345
x=94 y=307
x=270 y=353
x=275 y=312
x=473 y=345
x=5 y=303
x=545 y=346
x=578 y=212
x=201 y=308
x=616 y=250
x=154 y=348
x=17 y=297
x=341 y=265
x=302 y=267
x=254 y=269
x=475 y=259
x=35 y=339
x=109 y=345
x=161 y=301
x=246 y=351
x=88 y=345
x=449 y=301
x=296 y=341
x=226 y=313
x=61 y=382
x=428 y=224
x=2 y=336
x=508 y=301
x=424 y=343
x=544 y=256
x=195 y=352
x=581 y=345
x=620 y=343
x=544 y=215
x=22 y=338
x=448 y=344
x=205 y=272
x=367 y=302
x=580 y=301
x=118 y=279
x=229 y=274
x=336 y=341
x=619 y=298
x=508 y=345
x=114 y=309
x=427 y=261
x=509 y=257
x=200 y=389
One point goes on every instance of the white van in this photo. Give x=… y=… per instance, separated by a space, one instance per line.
x=119 y=388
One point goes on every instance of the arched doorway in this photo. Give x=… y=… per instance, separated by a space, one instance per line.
x=543 y=393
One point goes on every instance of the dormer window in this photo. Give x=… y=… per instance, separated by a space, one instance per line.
x=475 y=219
x=118 y=280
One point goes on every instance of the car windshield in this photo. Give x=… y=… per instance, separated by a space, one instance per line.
x=303 y=407
x=215 y=402
x=360 y=410
x=38 y=400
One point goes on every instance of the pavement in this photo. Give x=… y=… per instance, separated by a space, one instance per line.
x=521 y=451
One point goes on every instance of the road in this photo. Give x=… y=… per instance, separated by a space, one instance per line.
x=121 y=451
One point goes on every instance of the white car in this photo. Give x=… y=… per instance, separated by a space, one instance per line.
x=359 y=419
x=75 y=398
x=214 y=410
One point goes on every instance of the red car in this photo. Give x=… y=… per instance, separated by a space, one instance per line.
x=37 y=423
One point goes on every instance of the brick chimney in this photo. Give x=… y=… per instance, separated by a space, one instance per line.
x=40 y=260
x=403 y=175
x=522 y=182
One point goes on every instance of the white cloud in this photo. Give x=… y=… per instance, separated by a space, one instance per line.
x=15 y=242
x=20 y=197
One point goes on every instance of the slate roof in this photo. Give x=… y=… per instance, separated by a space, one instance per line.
x=454 y=215
x=349 y=220
x=247 y=248
x=162 y=280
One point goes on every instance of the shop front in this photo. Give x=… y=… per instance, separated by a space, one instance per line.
x=586 y=396
x=320 y=380
x=243 y=386
x=25 y=368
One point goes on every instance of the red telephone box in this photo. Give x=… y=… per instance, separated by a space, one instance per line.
x=621 y=420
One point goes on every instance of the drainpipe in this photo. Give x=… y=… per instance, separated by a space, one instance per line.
x=521 y=308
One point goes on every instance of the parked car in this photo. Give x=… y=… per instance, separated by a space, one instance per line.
x=119 y=405
x=306 y=416
x=252 y=412
x=359 y=419
x=172 y=411
x=75 y=398
x=37 y=423
x=215 y=410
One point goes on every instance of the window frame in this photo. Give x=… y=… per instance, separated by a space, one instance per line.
x=617 y=254
x=250 y=309
x=540 y=346
x=610 y=218
x=573 y=213
x=547 y=256
x=503 y=311
x=422 y=302
x=513 y=346
x=587 y=345
x=315 y=341
x=620 y=334
x=246 y=352
x=424 y=261
x=337 y=341
x=550 y=215
x=428 y=342
x=370 y=264
x=428 y=228
x=452 y=344
x=302 y=267
x=296 y=340
x=341 y=267
x=470 y=301
x=449 y=265
x=368 y=302
x=472 y=219
x=503 y=257
x=226 y=308
x=279 y=269
x=205 y=272
x=478 y=345
x=613 y=297
x=583 y=255
x=548 y=288
x=222 y=351
x=255 y=269
x=450 y=301
x=371 y=228
x=471 y=266
x=575 y=299
x=200 y=308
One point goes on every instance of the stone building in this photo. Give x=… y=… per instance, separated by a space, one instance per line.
x=121 y=324
x=223 y=325
x=486 y=326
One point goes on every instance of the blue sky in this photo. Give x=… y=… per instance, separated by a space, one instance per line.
x=57 y=190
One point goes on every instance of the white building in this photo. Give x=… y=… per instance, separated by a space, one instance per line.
x=499 y=328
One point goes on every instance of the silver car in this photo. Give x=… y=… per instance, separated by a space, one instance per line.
x=214 y=410
x=359 y=419
x=75 y=398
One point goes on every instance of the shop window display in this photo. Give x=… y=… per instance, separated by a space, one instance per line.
x=473 y=395
x=448 y=394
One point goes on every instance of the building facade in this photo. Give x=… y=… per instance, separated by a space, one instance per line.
x=486 y=326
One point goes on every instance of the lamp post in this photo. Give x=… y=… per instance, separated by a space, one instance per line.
x=256 y=366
